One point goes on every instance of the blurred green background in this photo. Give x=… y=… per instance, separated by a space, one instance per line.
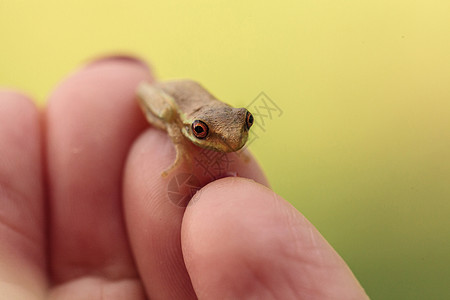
x=363 y=145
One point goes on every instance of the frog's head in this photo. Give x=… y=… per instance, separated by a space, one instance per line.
x=222 y=129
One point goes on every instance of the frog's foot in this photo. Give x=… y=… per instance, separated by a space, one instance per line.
x=172 y=167
x=244 y=155
x=181 y=156
x=167 y=171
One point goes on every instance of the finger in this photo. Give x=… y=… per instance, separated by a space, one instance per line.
x=242 y=241
x=22 y=239
x=92 y=119
x=154 y=210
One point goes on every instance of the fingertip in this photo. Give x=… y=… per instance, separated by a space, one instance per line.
x=119 y=58
x=113 y=74
x=11 y=98
x=20 y=129
x=259 y=246
x=20 y=143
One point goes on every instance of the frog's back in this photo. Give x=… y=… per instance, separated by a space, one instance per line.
x=189 y=95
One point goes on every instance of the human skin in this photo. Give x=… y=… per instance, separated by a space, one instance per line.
x=84 y=212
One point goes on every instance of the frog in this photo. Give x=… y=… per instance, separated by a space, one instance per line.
x=191 y=114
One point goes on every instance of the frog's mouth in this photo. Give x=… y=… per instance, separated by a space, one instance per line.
x=222 y=145
x=232 y=145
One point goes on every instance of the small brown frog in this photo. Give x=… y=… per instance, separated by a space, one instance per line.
x=187 y=111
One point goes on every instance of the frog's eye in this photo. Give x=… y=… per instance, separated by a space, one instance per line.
x=200 y=129
x=249 y=120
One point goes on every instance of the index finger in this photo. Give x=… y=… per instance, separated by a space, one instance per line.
x=154 y=206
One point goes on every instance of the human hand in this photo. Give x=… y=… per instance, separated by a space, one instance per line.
x=85 y=214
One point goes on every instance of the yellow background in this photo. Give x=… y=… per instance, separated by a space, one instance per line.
x=363 y=145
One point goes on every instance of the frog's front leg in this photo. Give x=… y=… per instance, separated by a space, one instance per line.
x=181 y=151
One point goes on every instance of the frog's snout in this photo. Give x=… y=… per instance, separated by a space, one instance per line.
x=235 y=135
x=236 y=142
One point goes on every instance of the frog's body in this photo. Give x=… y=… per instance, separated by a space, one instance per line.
x=187 y=111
